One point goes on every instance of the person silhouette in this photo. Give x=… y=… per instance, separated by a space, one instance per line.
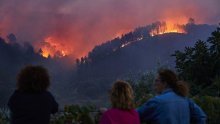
x=31 y=103
x=171 y=105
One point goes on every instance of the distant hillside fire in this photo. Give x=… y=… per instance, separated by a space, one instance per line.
x=50 y=48
x=166 y=27
x=53 y=47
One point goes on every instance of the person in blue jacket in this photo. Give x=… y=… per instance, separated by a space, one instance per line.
x=31 y=103
x=171 y=105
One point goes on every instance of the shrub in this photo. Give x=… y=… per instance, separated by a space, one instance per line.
x=4 y=115
x=75 y=114
x=211 y=106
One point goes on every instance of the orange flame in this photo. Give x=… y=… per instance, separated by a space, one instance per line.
x=50 y=47
x=166 y=27
x=45 y=53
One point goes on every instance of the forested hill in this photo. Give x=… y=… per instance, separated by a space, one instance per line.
x=134 y=52
x=138 y=50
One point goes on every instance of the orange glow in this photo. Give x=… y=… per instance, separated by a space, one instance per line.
x=50 y=47
x=128 y=43
x=167 y=27
x=123 y=45
x=120 y=33
x=45 y=53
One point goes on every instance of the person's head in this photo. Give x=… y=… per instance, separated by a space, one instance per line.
x=33 y=79
x=122 y=96
x=168 y=79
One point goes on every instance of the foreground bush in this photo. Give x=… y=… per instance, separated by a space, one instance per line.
x=211 y=106
x=75 y=114
x=4 y=115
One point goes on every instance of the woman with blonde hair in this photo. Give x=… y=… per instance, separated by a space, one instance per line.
x=122 y=111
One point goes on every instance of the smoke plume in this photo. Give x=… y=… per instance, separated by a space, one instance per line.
x=76 y=26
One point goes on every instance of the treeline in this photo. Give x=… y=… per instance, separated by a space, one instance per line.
x=200 y=65
x=114 y=47
x=13 y=56
x=108 y=48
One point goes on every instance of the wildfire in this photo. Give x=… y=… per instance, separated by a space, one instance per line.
x=166 y=27
x=123 y=45
x=45 y=53
x=50 y=47
x=129 y=42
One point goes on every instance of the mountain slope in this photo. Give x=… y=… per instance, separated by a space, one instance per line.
x=134 y=52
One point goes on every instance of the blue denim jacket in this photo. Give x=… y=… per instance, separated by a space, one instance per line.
x=170 y=108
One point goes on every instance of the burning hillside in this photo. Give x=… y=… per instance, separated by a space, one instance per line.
x=50 y=47
x=166 y=27
x=77 y=26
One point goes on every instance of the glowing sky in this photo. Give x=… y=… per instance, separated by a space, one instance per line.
x=76 y=26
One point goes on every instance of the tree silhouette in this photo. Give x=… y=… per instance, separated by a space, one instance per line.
x=200 y=64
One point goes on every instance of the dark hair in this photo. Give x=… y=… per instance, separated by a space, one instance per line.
x=33 y=79
x=122 y=96
x=179 y=87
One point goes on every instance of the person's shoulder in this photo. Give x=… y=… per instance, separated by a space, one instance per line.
x=134 y=111
x=155 y=99
x=16 y=93
x=151 y=103
x=108 y=112
x=50 y=97
x=113 y=111
x=47 y=93
x=166 y=96
x=14 y=97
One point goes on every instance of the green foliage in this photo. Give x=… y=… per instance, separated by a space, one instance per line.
x=142 y=87
x=200 y=64
x=4 y=116
x=214 y=49
x=75 y=114
x=212 y=90
x=211 y=106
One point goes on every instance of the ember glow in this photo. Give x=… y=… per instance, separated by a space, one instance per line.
x=50 y=48
x=129 y=42
x=167 y=27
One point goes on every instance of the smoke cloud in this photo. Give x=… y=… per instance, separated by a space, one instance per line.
x=78 y=25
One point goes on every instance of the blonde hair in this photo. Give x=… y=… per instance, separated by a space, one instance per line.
x=122 y=96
